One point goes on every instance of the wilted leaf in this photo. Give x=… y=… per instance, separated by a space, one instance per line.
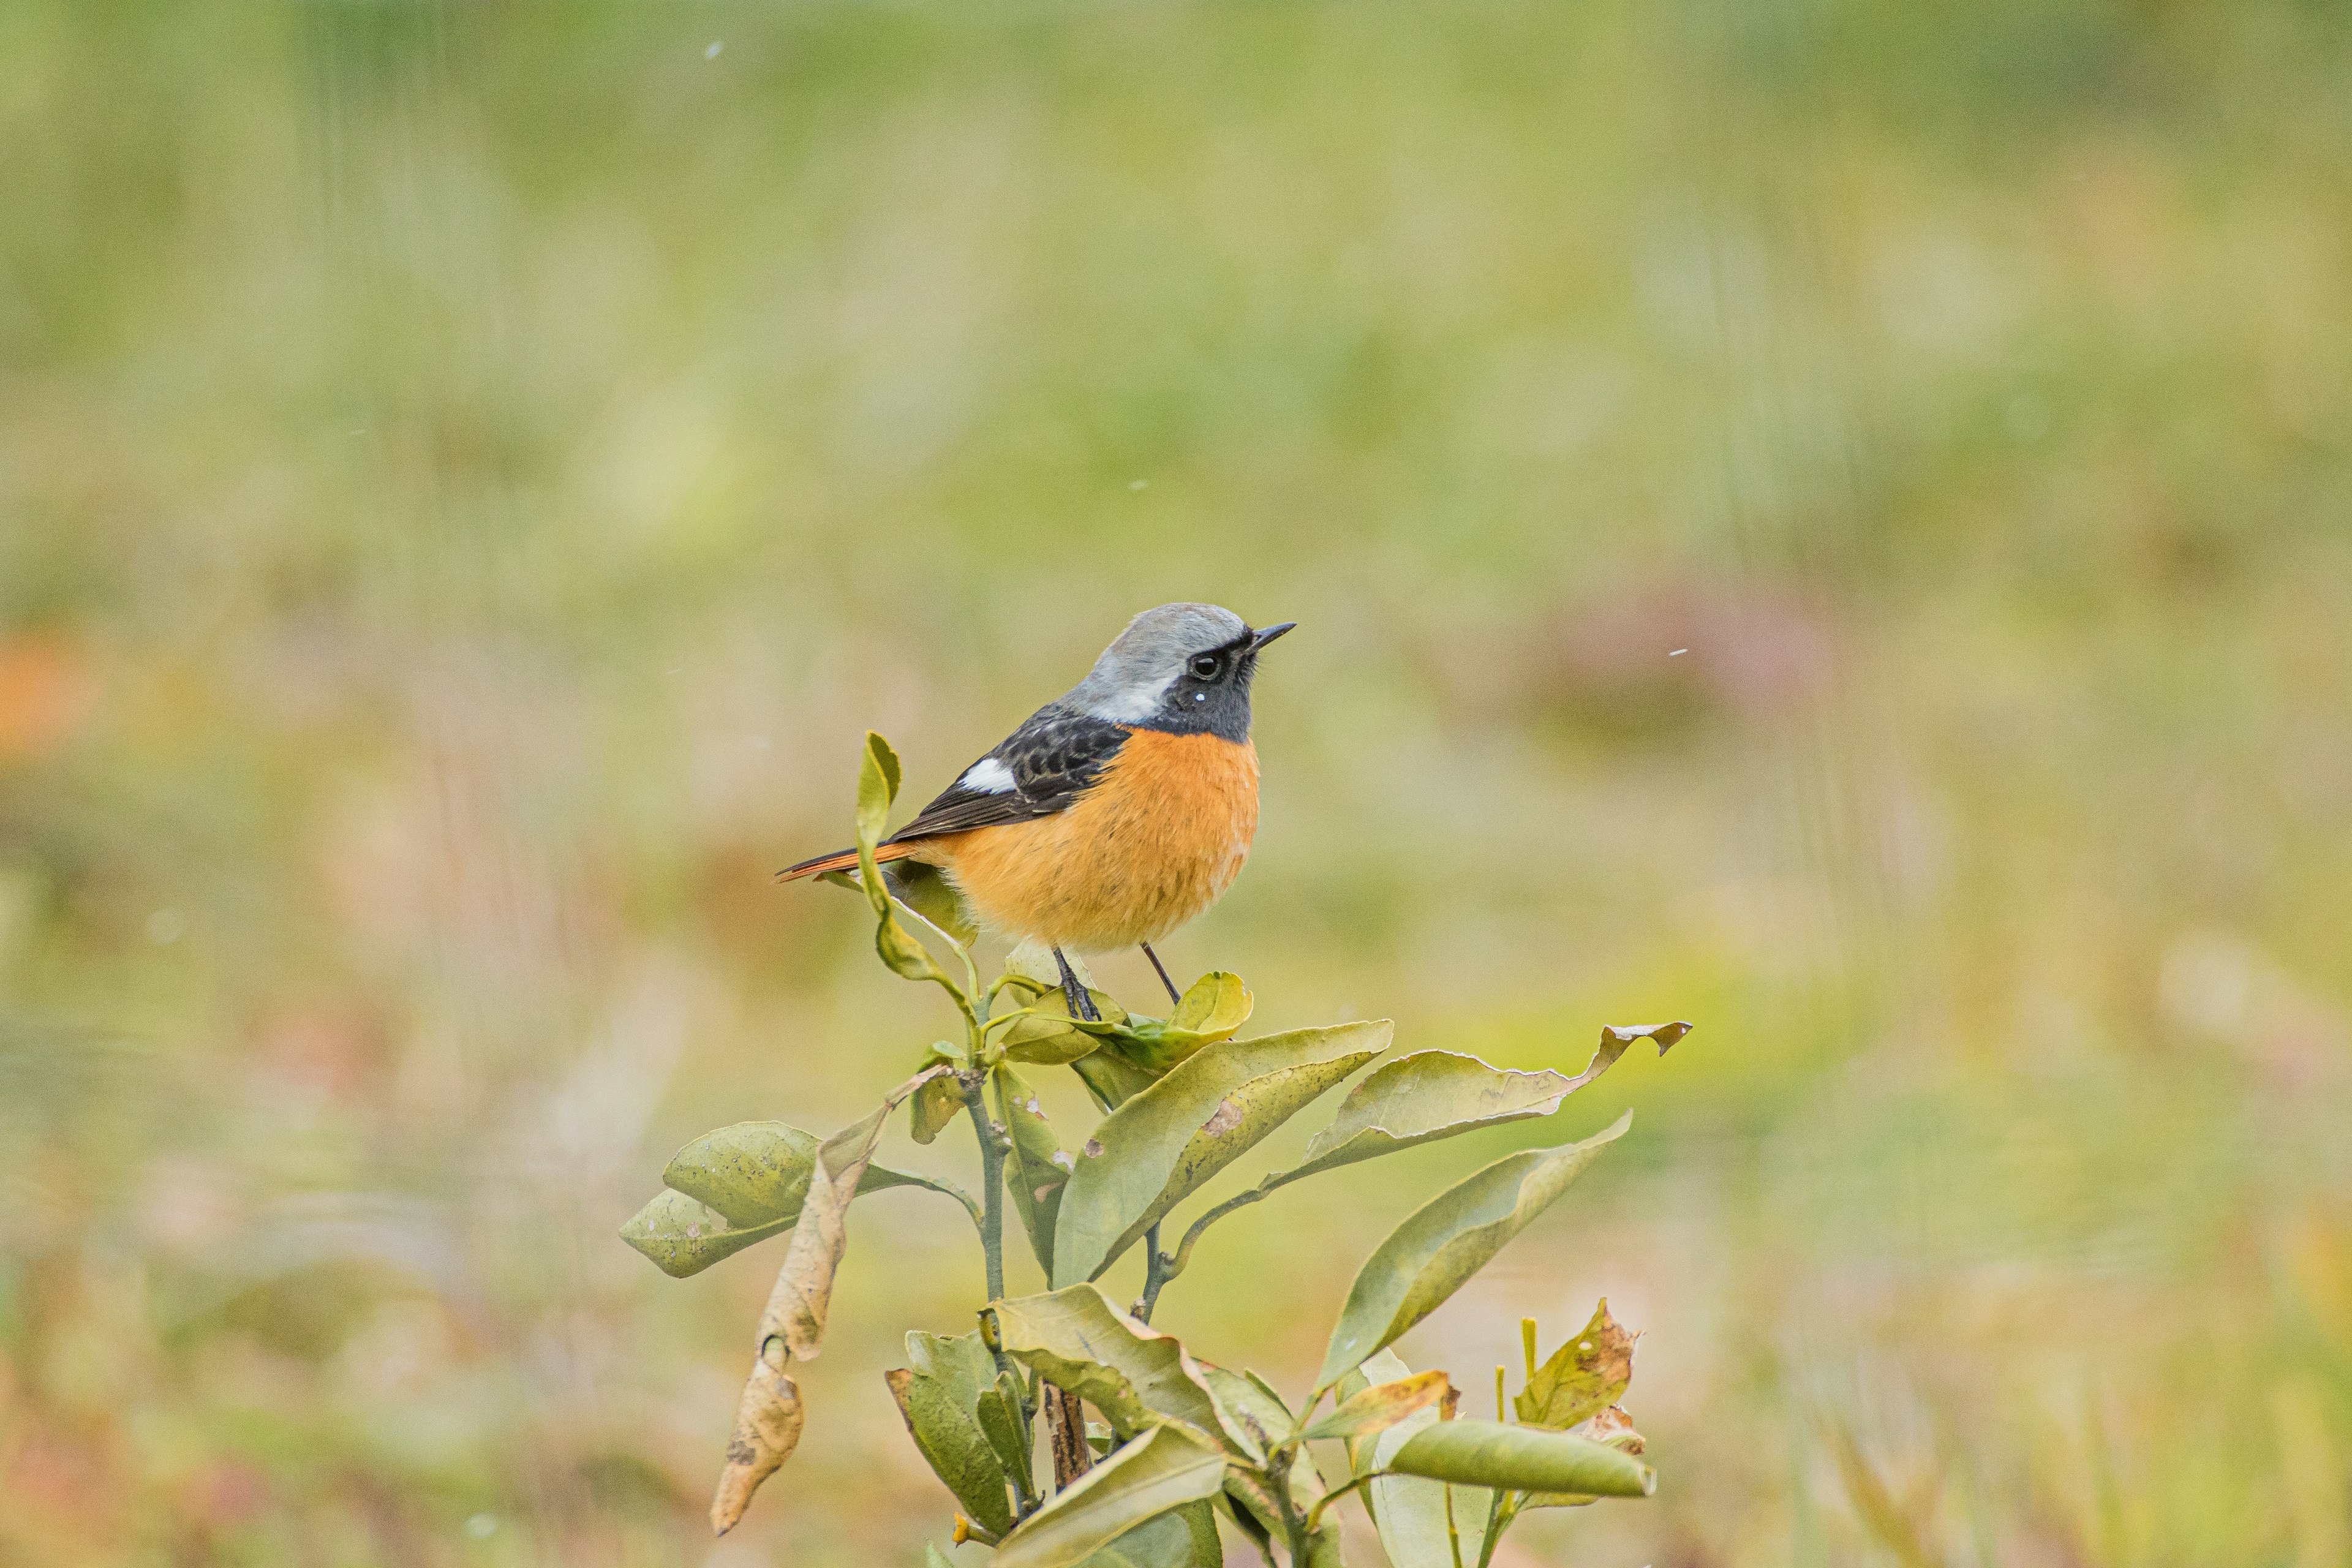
x=1164 y=1469
x=1136 y=1376
x=1382 y=1406
x=925 y=888
x=1156 y=1148
x=733 y=1187
x=1423 y=1096
x=792 y=1325
x=1037 y=1167
x=947 y=1434
x=1616 y=1039
x=1520 y=1458
x=1446 y=1240
x=1584 y=1376
x=935 y=1105
x=768 y=1421
x=1246 y=1400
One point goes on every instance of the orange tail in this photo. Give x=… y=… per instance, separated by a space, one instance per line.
x=844 y=860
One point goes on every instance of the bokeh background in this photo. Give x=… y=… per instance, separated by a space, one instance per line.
x=470 y=473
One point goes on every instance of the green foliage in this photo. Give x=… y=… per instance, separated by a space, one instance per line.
x=1446 y=1240
x=1183 y=1100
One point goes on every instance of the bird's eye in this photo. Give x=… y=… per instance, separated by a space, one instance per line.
x=1205 y=666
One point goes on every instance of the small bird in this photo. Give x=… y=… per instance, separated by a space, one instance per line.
x=1117 y=812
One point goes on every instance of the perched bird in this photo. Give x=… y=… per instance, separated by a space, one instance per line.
x=1117 y=812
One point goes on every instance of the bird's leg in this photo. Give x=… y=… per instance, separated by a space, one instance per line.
x=1173 y=994
x=1081 y=1004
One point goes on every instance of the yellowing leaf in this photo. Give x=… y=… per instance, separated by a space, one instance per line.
x=768 y=1419
x=1382 y=1406
x=1583 y=1377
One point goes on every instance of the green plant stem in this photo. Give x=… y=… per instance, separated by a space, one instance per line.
x=1156 y=1273
x=1315 y=1514
x=1174 y=1264
x=1293 y=1527
x=992 y=1235
x=1504 y=1510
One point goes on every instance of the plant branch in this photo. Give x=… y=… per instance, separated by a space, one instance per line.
x=992 y=1234
x=1174 y=1264
x=1157 y=1272
x=1315 y=1514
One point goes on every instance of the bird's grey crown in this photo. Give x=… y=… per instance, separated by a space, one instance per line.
x=1131 y=679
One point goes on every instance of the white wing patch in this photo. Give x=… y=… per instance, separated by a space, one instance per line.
x=988 y=777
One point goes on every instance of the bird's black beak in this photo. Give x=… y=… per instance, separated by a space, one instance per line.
x=1267 y=636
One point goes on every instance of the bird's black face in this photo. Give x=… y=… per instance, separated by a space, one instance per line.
x=1210 y=692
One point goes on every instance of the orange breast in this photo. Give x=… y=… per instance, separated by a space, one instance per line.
x=1156 y=841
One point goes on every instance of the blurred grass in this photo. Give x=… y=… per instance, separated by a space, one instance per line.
x=468 y=473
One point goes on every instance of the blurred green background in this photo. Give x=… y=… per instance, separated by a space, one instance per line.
x=469 y=474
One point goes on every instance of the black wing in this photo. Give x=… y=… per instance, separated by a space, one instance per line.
x=1054 y=759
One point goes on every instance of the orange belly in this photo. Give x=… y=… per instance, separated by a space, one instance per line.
x=1157 y=840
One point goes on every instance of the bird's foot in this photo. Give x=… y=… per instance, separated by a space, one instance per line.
x=1081 y=1004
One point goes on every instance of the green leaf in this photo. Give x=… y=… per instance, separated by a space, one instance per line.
x=1038 y=1168
x=1181 y=1538
x=935 y=1558
x=936 y=1105
x=1152 y=1151
x=1214 y=1007
x=925 y=888
x=948 y=1433
x=961 y=1361
x=1382 y=1406
x=733 y=1187
x=877 y=786
x=1446 y=1240
x=1112 y=1078
x=1163 y=1469
x=1246 y=1400
x=1583 y=1377
x=1520 y=1458
x=682 y=1237
x=1136 y=1376
x=1409 y=1512
x=998 y=1413
x=1424 y=1097
x=1611 y=1426
x=1051 y=1037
